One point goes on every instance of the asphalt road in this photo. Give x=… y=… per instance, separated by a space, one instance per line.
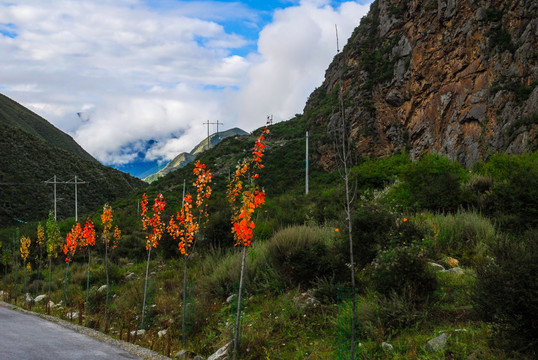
x=23 y=336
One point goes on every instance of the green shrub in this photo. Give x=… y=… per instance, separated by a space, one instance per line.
x=432 y=183
x=514 y=195
x=506 y=289
x=403 y=270
x=464 y=235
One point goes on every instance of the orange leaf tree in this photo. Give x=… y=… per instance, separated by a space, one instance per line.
x=69 y=249
x=106 y=219
x=40 y=242
x=245 y=197
x=87 y=240
x=157 y=227
x=187 y=222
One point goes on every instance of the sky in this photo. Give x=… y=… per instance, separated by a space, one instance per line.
x=133 y=81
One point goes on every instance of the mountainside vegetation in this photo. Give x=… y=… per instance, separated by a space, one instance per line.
x=445 y=242
x=28 y=161
x=15 y=115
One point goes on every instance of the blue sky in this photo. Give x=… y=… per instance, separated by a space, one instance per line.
x=145 y=74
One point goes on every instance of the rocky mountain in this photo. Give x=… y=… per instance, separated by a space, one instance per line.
x=185 y=158
x=16 y=115
x=32 y=153
x=456 y=77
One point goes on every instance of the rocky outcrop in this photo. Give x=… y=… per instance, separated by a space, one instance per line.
x=452 y=77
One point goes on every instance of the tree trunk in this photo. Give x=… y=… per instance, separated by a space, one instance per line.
x=183 y=330
x=145 y=289
x=238 y=318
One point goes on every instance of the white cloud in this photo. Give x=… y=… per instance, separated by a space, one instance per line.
x=156 y=70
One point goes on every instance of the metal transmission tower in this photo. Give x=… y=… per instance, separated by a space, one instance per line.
x=211 y=123
x=76 y=182
x=54 y=181
x=270 y=119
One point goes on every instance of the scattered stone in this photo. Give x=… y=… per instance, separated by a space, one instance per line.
x=221 y=354
x=29 y=300
x=186 y=354
x=130 y=276
x=306 y=299
x=102 y=289
x=40 y=298
x=437 y=344
x=138 y=333
x=162 y=333
x=51 y=304
x=437 y=267
x=386 y=346
x=72 y=315
x=456 y=271
x=231 y=298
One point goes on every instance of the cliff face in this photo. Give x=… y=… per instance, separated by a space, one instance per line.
x=456 y=77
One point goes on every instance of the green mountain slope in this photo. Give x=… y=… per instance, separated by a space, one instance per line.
x=16 y=115
x=28 y=161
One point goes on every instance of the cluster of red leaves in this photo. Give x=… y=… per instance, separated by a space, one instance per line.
x=185 y=225
x=244 y=195
x=87 y=237
x=71 y=242
x=106 y=220
x=25 y=248
x=154 y=221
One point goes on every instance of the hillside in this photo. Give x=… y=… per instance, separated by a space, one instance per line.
x=185 y=158
x=28 y=161
x=16 y=115
x=457 y=78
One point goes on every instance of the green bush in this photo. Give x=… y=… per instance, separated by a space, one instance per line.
x=432 y=183
x=403 y=270
x=514 y=195
x=505 y=292
x=464 y=235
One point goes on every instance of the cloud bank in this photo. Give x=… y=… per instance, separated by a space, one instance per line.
x=144 y=76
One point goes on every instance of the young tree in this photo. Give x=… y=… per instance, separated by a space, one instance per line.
x=245 y=197
x=25 y=252
x=87 y=240
x=53 y=243
x=188 y=223
x=40 y=242
x=107 y=235
x=69 y=249
x=152 y=239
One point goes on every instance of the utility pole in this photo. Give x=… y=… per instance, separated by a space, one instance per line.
x=211 y=123
x=54 y=181
x=76 y=194
x=306 y=161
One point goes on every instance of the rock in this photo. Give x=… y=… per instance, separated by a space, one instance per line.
x=481 y=14
x=222 y=353
x=437 y=344
x=436 y=267
x=455 y=271
x=394 y=99
x=386 y=346
x=138 y=333
x=231 y=298
x=306 y=299
x=186 y=354
x=29 y=300
x=72 y=315
x=130 y=276
x=102 y=289
x=162 y=333
x=51 y=304
x=40 y=298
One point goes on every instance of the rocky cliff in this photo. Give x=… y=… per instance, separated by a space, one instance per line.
x=456 y=77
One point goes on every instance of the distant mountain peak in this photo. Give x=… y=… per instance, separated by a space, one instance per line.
x=186 y=158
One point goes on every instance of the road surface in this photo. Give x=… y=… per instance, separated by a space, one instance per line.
x=24 y=336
